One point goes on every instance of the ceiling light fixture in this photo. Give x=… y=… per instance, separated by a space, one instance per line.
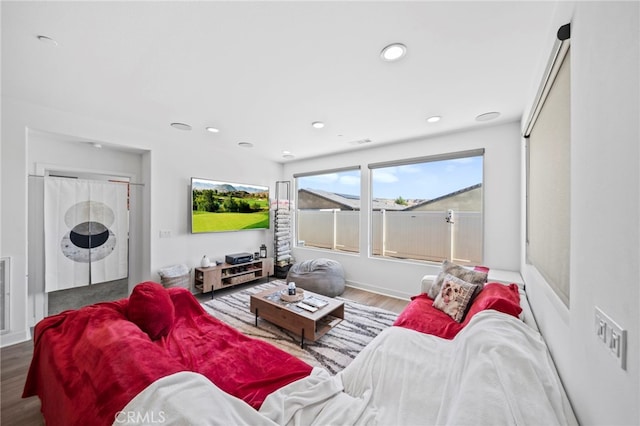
x=47 y=40
x=434 y=119
x=212 y=130
x=317 y=124
x=181 y=126
x=288 y=156
x=245 y=144
x=393 y=52
x=488 y=116
x=96 y=145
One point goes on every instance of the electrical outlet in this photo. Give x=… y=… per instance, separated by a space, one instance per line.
x=612 y=336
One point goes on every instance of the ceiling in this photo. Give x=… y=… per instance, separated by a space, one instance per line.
x=262 y=72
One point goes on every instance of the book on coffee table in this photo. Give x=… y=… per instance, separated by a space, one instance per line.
x=316 y=302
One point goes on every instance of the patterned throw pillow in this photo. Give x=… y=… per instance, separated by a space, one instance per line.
x=454 y=297
x=468 y=275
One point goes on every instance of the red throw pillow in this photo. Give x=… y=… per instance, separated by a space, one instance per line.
x=420 y=315
x=151 y=309
x=481 y=268
x=499 y=297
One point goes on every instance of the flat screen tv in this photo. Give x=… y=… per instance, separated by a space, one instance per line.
x=220 y=206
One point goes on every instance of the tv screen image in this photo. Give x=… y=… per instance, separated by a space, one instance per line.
x=220 y=206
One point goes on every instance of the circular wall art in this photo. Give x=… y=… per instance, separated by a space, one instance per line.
x=89 y=238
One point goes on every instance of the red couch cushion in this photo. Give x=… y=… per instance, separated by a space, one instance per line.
x=421 y=316
x=151 y=309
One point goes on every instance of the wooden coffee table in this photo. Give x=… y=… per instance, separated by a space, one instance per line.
x=308 y=325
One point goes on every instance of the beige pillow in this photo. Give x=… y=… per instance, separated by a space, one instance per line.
x=468 y=275
x=455 y=297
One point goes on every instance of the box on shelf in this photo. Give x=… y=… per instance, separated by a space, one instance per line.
x=242 y=278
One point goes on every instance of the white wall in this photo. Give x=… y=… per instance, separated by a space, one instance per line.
x=501 y=190
x=605 y=214
x=166 y=170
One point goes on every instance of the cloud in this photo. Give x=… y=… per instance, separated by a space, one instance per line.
x=384 y=176
x=350 y=180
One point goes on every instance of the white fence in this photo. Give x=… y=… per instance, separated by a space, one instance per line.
x=416 y=235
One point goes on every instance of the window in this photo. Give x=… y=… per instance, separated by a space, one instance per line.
x=428 y=209
x=328 y=209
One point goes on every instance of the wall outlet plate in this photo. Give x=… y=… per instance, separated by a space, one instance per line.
x=612 y=336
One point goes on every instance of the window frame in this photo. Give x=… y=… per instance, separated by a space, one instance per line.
x=448 y=252
x=301 y=243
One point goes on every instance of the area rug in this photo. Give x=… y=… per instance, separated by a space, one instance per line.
x=333 y=351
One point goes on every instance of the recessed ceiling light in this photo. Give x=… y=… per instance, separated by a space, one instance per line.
x=488 y=116
x=288 y=156
x=318 y=124
x=245 y=144
x=212 y=130
x=393 y=52
x=47 y=40
x=286 y=152
x=96 y=145
x=181 y=126
x=434 y=119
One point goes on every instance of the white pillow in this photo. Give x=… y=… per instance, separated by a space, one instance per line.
x=427 y=282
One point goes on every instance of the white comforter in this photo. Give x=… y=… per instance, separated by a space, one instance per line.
x=496 y=371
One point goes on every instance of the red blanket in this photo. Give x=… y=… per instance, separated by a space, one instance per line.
x=89 y=363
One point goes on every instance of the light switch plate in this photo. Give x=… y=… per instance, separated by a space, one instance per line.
x=612 y=336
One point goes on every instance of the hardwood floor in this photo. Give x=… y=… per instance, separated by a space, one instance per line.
x=15 y=361
x=373 y=299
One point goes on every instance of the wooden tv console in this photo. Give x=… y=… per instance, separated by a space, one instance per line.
x=226 y=275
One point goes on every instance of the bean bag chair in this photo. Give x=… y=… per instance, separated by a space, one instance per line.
x=322 y=276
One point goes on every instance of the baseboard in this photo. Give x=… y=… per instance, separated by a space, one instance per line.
x=13 y=338
x=378 y=290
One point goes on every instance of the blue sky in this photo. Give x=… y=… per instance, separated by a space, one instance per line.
x=424 y=181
